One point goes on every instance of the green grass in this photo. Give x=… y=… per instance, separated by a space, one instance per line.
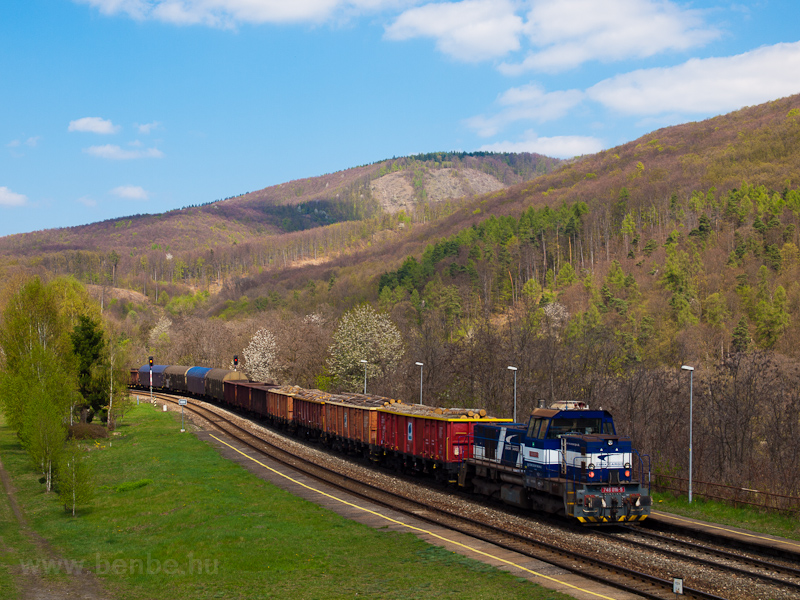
x=203 y=527
x=14 y=547
x=762 y=521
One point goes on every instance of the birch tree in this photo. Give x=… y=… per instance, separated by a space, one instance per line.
x=74 y=479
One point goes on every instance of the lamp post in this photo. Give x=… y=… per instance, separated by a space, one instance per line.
x=515 y=391
x=691 y=385
x=419 y=364
x=365 y=376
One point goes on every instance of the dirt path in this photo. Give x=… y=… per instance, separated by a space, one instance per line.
x=74 y=582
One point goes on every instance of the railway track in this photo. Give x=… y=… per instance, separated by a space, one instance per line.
x=602 y=571
x=726 y=542
x=693 y=554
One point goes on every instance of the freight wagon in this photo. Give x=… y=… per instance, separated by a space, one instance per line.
x=567 y=460
x=420 y=438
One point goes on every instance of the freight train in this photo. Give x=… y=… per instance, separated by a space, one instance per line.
x=567 y=460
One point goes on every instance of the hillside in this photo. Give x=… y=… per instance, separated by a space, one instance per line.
x=597 y=281
x=350 y=195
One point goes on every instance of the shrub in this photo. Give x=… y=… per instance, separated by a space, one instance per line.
x=87 y=431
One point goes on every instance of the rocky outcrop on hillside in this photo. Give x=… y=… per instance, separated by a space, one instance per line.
x=395 y=191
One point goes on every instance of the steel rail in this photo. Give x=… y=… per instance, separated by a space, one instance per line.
x=710 y=563
x=654 y=587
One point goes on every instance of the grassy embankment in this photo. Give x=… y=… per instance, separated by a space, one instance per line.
x=206 y=528
x=751 y=518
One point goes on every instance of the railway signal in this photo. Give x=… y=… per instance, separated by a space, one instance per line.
x=150 y=360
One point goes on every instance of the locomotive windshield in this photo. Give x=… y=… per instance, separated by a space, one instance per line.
x=579 y=425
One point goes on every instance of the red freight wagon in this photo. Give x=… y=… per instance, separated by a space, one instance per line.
x=134 y=377
x=416 y=436
x=258 y=401
x=309 y=412
x=230 y=392
x=238 y=393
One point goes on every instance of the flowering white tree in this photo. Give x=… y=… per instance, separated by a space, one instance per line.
x=261 y=356
x=364 y=334
x=159 y=334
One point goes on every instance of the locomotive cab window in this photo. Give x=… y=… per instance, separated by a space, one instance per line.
x=574 y=425
x=537 y=428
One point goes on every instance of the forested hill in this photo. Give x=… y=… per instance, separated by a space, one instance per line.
x=409 y=184
x=683 y=243
x=596 y=280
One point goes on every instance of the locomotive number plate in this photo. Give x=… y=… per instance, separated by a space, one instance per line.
x=612 y=490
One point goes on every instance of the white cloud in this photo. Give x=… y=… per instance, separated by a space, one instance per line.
x=93 y=125
x=9 y=198
x=556 y=35
x=131 y=192
x=563 y=146
x=569 y=33
x=148 y=127
x=560 y=35
x=31 y=142
x=471 y=30
x=703 y=86
x=87 y=201
x=229 y=13
x=113 y=152
x=662 y=96
x=526 y=103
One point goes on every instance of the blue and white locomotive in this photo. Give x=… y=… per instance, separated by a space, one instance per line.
x=568 y=460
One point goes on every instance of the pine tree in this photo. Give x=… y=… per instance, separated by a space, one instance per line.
x=88 y=343
x=741 y=336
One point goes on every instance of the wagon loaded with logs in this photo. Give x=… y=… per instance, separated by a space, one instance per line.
x=566 y=460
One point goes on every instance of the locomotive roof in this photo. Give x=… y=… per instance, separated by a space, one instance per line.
x=549 y=413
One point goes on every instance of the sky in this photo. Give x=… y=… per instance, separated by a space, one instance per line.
x=111 y=108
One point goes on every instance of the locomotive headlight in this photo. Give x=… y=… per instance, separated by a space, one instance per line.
x=610 y=442
x=590 y=467
x=627 y=465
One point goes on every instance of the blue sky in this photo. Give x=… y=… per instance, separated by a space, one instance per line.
x=116 y=107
